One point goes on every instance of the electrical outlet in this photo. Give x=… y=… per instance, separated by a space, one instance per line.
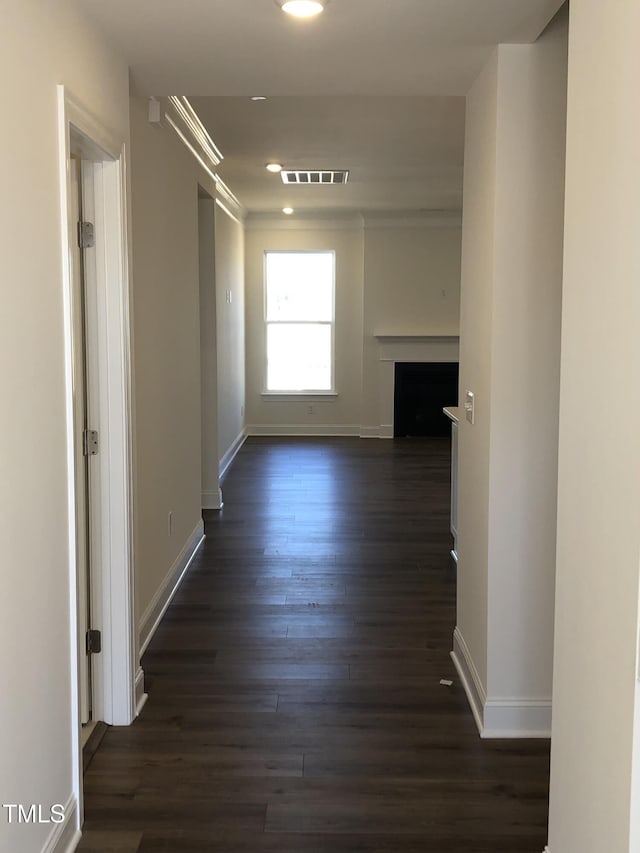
x=309 y=410
x=170 y=523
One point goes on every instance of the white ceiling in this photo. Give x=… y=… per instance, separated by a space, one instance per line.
x=403 y=153
x=373 y=86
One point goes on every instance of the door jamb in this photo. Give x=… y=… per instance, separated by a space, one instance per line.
x=117 y=671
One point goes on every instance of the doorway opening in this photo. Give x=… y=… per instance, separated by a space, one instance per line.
x=108 y=682
x=211 y=491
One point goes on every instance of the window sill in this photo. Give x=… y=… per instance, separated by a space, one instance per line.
x=275 y=396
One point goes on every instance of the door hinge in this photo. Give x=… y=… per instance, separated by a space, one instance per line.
x=86 y=235
x=94 y=642
x=90 y=442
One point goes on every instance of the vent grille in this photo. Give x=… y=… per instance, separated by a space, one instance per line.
x=324 y=177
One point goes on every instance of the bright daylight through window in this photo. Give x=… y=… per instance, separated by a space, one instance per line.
x=299 y=315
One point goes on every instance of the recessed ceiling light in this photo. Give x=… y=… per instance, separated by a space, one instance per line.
x=258 y=98
x=303 y=8
x=287 y=210
x=274 y=167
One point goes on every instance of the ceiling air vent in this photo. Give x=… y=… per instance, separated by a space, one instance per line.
x=314 y=176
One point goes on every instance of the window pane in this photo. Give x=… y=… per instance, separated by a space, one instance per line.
x=298 y=357
x=299 y=286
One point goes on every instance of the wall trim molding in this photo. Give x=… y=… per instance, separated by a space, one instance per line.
x=470 y=678
x=141 y=696
x=65 y=836
x=258 y=222
x=408 y=219
x=499 y=717
x=232 y=452
x=162 y=599
x=517 y=718
x=191 y=124
x=177 y=112
x=412 y=339
x=212 y=500
x=369 y=431
x=113 y=581
x=302 y=429
x=334 y=220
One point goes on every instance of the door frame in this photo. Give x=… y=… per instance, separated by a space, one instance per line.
x=85 y=477
x=118 y=679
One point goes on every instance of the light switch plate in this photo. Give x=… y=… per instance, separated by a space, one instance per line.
x=469 y=406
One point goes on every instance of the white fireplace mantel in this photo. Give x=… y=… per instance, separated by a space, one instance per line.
x=407 y=348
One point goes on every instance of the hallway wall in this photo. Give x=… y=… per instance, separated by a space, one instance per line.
x=166 y=335
x=210 y=472
x=166 y=345
x=595 y=760
x=230 y=313
x=510 y=359
x=41 y=45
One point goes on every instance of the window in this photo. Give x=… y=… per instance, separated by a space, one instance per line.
x=299 y=320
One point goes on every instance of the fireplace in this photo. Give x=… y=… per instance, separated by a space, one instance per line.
x=410 y=349
x=421 y=391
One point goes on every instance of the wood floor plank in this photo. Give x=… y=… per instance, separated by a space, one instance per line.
x=295 y=703
x=111 y=842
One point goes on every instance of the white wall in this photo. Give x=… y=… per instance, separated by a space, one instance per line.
x=510 y=343
x=341 y=414
x=166 y=283
x=166 y=338
x=411 y=287
x=389 y=281
x=526 y=363
x=478 y=235
x=596 y=626
x=229 y=263
x=208 y=354
x=41 y=45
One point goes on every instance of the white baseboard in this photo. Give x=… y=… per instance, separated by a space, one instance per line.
x=369 y=431
x=499 y=717
x=303 y=429
x=517 y=718
x=232 y=452
x=212 y=500
x=65 y=836
x=162 y=599
x=470 y=678
x=140 y=696
x=386 y=431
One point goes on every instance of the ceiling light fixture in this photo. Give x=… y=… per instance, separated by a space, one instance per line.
x=274 y=167
x=258 y=97
x=287 y=210
x=302 y=8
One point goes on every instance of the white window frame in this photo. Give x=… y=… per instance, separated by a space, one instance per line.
x=306 y=392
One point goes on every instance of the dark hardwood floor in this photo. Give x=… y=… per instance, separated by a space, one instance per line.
x=295 y=703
